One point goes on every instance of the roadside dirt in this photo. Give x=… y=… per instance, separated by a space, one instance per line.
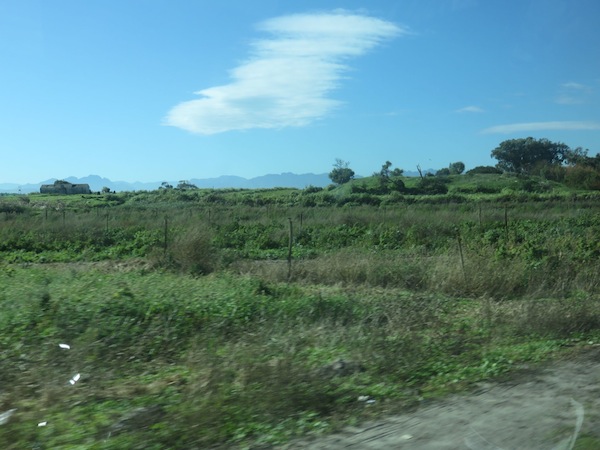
x=555 y=406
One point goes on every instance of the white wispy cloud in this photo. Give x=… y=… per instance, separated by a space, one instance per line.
x=542 y=126
x=566 y=99
x=573 y=93
x=288 y=77
x=574 y=85
x=470 y=109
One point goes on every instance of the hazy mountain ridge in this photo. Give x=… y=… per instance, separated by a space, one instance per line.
x=96 y=182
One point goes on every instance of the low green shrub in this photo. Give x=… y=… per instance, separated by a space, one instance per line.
x=192 y=251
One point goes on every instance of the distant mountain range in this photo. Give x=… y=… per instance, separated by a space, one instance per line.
x=227 y=181
x=96 y=182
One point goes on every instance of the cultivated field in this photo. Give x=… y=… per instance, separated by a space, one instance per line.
x=209 y=319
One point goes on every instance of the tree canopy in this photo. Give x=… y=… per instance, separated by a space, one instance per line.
x=456 y=168
x=341 y=172
x=524 y=155
x=185 y=185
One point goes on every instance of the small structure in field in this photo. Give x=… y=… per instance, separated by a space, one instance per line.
x=65 y=188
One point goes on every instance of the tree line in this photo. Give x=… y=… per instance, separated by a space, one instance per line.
x=554 y=161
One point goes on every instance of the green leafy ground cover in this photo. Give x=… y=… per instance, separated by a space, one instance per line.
x=190 y=328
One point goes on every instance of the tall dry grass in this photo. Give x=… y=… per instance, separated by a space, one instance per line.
x=481 y=276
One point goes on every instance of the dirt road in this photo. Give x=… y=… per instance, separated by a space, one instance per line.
x=547 y=408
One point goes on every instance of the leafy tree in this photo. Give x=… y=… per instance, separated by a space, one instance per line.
x=185 y=185
x=389 y=180
x=106 y=190
x=385 y=170
x=456 y=168
x=523 y=155
x=442 y=172
x=341 y=172
x=165 y=185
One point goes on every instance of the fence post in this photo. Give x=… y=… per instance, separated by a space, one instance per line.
x=460 y=250
x=506 y=221
x=166 y=235
x=290 y=242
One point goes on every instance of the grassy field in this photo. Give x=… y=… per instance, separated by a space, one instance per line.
x=245 y=318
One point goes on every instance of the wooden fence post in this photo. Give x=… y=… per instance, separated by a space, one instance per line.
x=166 y=234
x=290 y=242
x=506 y=221
x=460 y=250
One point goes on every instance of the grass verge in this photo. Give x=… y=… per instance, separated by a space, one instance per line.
x=233 y=361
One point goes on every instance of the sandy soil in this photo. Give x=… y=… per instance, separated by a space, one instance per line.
x=543 y=408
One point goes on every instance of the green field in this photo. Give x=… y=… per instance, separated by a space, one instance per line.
x=245 y=318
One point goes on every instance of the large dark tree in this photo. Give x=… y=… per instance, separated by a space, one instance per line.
x=185 y=185
x=341 y=173
x=524 y=155
x=456 y=168
x=385 y=170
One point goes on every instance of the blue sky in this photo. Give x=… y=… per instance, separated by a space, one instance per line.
x=152 y=90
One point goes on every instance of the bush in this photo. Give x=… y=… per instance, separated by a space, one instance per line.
x=552 y=172
x=581 y=177
x=432 y=186
x=312 y=189
x=193 y=252
x=364 y=199
x=484 y=170
x=11 y=208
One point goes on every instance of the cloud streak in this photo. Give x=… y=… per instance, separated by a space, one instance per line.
x=542 y=126
x=470 y=109
x=288 y=77
x=573 y=93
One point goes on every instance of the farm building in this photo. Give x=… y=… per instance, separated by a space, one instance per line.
x=64 y=187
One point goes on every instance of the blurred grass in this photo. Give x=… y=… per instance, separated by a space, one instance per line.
x=191 y=330
x=172 y=360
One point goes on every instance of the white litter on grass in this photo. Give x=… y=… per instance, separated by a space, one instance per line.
x=65 y=346
x=477 y=442
x=6 y=415
x=579 y=412
x=75 y=379
x=42 y=424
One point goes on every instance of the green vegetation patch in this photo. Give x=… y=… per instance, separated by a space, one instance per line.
x=173 y=360
x=188 y=318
